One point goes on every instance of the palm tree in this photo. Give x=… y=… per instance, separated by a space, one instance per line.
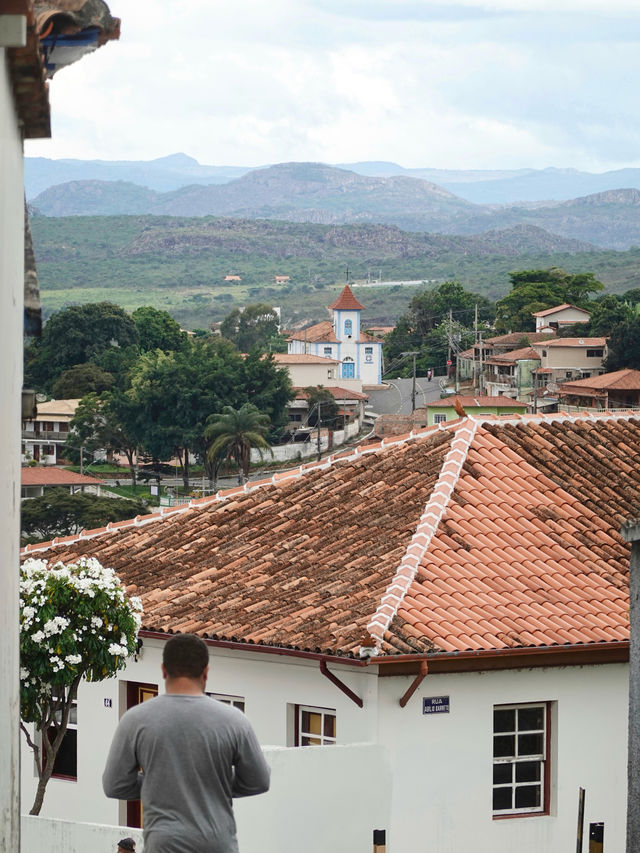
x=234 y=432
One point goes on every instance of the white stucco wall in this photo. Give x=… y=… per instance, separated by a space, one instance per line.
x=320 y=800
x=270 y=685
x=11 y=309
x=442 y=763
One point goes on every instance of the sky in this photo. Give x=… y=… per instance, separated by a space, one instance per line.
x=465 y=84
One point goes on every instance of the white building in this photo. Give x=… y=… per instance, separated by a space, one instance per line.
x=456 y=598
x=559 y=316
x=44 y=437
x=342 y=338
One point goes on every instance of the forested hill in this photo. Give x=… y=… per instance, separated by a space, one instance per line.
x=180 y=264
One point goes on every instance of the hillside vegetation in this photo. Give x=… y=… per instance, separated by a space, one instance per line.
x=180 y=264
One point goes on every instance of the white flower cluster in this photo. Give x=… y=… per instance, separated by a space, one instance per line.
x=87 y=578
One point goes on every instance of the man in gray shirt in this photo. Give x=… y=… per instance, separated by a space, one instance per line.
x=185 y=756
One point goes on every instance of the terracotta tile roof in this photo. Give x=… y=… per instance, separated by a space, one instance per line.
x=557 y=308
x=346 y=301
x=487 y=533
x=576 y=342
x=302 y=358
x=514 y=355
x=480 y=400
x=619 y=380
x=322 y=331
x=516 y=337
x=41 y=475
x=53 y=408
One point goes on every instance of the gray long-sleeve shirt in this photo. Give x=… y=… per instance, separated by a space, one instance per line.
x=195 y=755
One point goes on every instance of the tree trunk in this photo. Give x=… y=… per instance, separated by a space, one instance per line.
x=47 y=760
x=185 y=469
x=132 y=467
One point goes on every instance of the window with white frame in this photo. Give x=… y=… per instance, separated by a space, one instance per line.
x=327 y=352
x=315 y=726
x=520 y=759
x=368 y=354
x=440 y=418
x=235 y=701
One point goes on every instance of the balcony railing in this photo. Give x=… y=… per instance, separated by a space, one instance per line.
x=44 y=436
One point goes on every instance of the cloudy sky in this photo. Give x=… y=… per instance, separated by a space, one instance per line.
x=462 y=84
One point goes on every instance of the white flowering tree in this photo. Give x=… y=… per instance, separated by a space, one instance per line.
x=76 y=622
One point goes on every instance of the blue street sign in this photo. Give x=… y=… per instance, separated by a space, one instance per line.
x=435 y=705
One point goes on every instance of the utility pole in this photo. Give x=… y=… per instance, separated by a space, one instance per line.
x=631 y=533
x=413 y=387
x=319 y=423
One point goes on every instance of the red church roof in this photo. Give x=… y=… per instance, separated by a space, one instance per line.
x=346 y=301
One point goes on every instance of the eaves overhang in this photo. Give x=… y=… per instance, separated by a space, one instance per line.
x=580 y=654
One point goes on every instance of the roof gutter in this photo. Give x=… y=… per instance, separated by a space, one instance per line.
x=570 y=654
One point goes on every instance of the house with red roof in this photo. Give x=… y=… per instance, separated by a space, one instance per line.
x=511 y=373
x=560 y=315
x=617 y=390
x=35 y=479
x=571 y=358
x=457 y=596
x=358 y=352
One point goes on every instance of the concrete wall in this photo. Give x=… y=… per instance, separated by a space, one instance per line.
x=11 y=311
x=326 y=799
x=297 y=450
x=442 y=763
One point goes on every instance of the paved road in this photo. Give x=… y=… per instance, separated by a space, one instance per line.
x=397 y=399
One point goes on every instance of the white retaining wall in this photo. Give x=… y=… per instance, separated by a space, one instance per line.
x=321 y=799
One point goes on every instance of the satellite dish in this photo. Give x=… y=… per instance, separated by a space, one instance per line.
x=41 y=398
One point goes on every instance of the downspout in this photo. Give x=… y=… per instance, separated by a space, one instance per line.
x=417 y=681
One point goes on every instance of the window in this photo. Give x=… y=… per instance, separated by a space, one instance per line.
x=327 y=352
x=595 y=353
x=439 y=418
x=65 y=765
x=315 y=726
x=520 y=759
x=348 y=328
x=544 y=353
x=568 y=374
x=234 y=701
x=368 y=354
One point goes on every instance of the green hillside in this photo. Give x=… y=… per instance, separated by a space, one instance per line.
x=180 y=264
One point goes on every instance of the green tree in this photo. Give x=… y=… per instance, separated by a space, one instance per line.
x=173 y=394
x=624 y=346
x=321 y=400
x=606 y=314
x=536 y=290
x=233 y=434
x=437 y=320
x=59 y=513
x=253 y=326
x=106 y=422
x=76 y=622
x=157 y=330
x=80 y=380
x=74 y=336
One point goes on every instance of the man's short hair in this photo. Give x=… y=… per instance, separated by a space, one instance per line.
x=185 y=656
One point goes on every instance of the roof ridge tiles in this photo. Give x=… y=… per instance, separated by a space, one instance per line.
x=425 y=530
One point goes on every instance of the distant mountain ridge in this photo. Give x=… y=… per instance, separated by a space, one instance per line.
x=497 y=186
x=320 y=194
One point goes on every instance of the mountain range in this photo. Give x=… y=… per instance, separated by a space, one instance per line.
x=498 y=186
x=321 y=194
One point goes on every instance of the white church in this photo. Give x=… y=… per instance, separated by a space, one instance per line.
x=342 y=339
